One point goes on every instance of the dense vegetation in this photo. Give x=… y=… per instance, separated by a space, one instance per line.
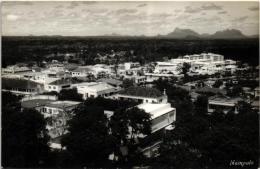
x=200 y=140
x=24 y=49
x=24 y=136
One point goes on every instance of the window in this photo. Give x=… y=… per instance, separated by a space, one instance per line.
x=65 y=86
x=171 y=113
x=49 y=87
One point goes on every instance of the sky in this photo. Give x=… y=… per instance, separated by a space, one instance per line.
x=91 y=18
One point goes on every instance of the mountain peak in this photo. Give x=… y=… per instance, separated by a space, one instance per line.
x=182 y=33
x=228 y=33
x=191 y=34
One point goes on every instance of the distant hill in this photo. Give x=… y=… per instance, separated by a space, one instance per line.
x=191 y=34
x=183 y=33
x=228 y=34
x=254 y=36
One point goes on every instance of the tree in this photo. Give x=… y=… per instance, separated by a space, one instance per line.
x=24 y=135
x=185 y=68
x=70 y=94
x=127 y=125
x=201 y=106
x=127 y=83
x=88 y=139
x=218 y=83
x=235 y=91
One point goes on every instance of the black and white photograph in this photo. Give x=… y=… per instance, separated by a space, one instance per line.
x=130 y=84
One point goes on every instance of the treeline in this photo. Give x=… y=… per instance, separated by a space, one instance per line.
x=23 y=49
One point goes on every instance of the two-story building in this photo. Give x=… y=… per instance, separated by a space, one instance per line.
x=58 y=85
x=163 y=117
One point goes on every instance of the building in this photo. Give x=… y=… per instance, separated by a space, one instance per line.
x=21 y=86
x=56 y=72
x=110 y=81
x=36 y=103
x=58 y=85
x=204 y=57
x=131 y=65
x=81 y=71
x=222 y=103
x=39 y=77
x=137 y=79
x=150 y=77
x=15 y=69
x=257 y=92
x=142 y=95
x=204 y=63
x=57 y=113
x=167 y=67
x=162 y=118
x=162 y=114
x=210 y=90
x=95 y=89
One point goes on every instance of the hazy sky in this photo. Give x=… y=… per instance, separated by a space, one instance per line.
x=126 y=18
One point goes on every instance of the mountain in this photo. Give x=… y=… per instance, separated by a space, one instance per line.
x=182 y=33
x=254 y=36
x=191 y=34
x=228 y=34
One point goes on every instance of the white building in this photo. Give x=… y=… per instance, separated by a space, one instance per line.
x=82 y=71
x=130 y=65
x=224 y=104
x=204 y=57
x=40 y=77
x=95 y=89
x=162 y=114
x=15 y=69
x=166 y=67
x=137 y=79
x=58 y=85
x=142 y=95
x=162 y=118
x=150 y=77
x=204 y=63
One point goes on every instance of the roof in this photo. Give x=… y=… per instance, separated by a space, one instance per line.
x=35 y=103
x=223 y=99
x=257 y=88
x=210 y=90
x=83 y=69
x=157 y=109
x=142 y=92
x=62 y=82
x=255 y=103
x=94 y=86
x=62 y=104
x=71 y=66
x=111 y=81
x=8 y=83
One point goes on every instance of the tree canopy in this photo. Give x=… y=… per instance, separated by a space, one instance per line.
x=24 y=136
x=70 y=94
x=93 y=135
